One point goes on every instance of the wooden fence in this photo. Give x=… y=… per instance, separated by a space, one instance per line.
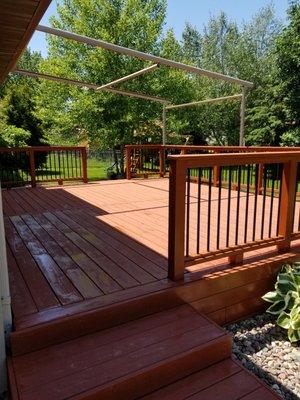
x=33 y=165
x=232 y=218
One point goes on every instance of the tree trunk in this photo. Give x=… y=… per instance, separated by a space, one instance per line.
x=116 y=161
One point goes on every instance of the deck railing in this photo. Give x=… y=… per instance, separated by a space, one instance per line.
x=32 y=165
x=253 y=206
x=144 y=160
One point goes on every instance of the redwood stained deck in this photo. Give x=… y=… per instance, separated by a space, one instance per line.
x=77 y=247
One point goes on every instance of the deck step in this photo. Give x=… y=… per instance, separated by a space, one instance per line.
x=224 y=380
x=125 y=362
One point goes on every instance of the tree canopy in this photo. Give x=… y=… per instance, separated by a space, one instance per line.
x=262 y=51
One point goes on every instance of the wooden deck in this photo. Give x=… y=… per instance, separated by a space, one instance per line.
x=91 y=299
x=71 y=249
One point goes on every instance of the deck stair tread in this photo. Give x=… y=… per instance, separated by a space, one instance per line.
x=124 y=362
x=223 y=380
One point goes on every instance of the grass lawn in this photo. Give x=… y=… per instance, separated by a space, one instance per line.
x=97 y=169
x=67 y=167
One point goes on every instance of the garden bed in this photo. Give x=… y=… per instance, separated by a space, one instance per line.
x=263 y=348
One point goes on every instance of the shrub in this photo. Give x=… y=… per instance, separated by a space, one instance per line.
x=286 y=300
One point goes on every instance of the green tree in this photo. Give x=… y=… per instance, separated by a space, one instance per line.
x=103 y=119
x=275 y=113
x=17 y=106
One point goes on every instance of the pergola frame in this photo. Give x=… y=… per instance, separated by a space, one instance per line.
x=109 y=87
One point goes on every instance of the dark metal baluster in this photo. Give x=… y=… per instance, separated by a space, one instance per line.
x=219 y=206
x=63 y=163
x=75 y=157
x=68 y=168
x=279 y=201
x=264 y=203
x=71 y=162
x=272 y=202
x=255 y=201
x=238 y=205
x=228 y=206
x=199 y=209
x=209 y=208
x=188 y=211
x=247 y=203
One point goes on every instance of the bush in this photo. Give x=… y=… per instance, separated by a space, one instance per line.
x=286 y=300
x=11 y=136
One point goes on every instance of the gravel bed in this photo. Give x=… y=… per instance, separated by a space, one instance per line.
x=263 y=349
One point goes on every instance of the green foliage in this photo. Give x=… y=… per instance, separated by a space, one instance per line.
x=19 y=124
x=286 y=300
x=261 y=51
x=274 y=117
x=11 y=136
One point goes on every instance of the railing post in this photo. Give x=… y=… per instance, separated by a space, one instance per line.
x=287 y=204
x=128 y=162
x=216 y=172
x=177 y=183
x=84 y=165
x=32 y=167
x=162 y=161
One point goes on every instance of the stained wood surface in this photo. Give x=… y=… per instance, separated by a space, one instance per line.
x=149 y=351
x=224 y=380
x=79 y=248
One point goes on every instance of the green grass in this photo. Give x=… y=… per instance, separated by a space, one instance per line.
x=51 y=169
x=97 y=169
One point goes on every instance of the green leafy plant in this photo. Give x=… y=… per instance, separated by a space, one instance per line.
x=286 y=300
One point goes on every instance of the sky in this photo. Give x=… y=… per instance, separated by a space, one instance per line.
x=196 y=12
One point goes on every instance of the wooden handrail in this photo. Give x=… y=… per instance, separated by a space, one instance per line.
x=39 y=148
x=180 y=164
x=215 y=148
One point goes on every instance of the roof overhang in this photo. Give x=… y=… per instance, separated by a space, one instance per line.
x=18 y=21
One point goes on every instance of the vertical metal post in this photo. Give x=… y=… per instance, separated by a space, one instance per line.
x=164 y=120
x=242 y=117
x=5 y=310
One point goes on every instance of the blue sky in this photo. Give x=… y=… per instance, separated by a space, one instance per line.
x=196 y=12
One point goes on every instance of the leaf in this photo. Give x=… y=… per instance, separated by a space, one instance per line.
x=294 y=335
x=285 y=283
x=290 y=299
x=271 y=297
x=295 y=318
x=276 y=308
x=284 y=320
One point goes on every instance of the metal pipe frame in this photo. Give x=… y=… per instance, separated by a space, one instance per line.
x=127 y=77
x=164 y=125
x=90 y=85
x=143 y=56
x=242 y=117
x=206 y=101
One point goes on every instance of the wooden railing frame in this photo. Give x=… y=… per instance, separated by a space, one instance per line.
x=177 y=185
x=34 y=149
x=184 y=149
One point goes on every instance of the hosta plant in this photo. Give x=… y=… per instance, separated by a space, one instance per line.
x=286 y=300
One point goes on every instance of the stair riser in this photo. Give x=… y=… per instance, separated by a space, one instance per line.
x=154 y=377
x=61 y=330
